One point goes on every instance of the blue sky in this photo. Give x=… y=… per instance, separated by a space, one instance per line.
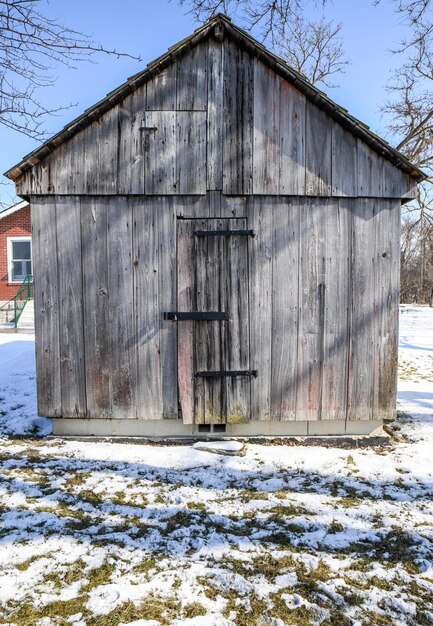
x=148 y=27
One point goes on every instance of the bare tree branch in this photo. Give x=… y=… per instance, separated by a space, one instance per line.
x=315 y=49
x=32 y=46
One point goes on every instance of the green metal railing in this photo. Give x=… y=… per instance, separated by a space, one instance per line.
x=11 y=310
x=24 y=294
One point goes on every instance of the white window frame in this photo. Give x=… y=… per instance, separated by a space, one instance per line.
x=10 y=256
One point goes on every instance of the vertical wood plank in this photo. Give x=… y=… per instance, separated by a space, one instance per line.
x=160 y=152
x=344 y=162
x=337 y=234
x=361 y=384
x=260 y=290
x=190 y=152
x=161 y=90
x=238 y=123
x=386 y=265
x=192 y=79
x=266 y=147
x=285 y=298
x=167 y=290
x=370 y=172
x=215 y=115
x=318 y=147
x=147 y=309
x=235 y=345
x=72 y=349
x=90 y=169
x=108 y=151
x=311 y=309
x=121 y=309
x=131 y=154
x=211 y=338
x=44 y=249
x=292 y=140
x=185 y=331
x=95 y=302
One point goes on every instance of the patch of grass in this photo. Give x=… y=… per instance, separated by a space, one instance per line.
x=145 y=566
x=76 y=480
x=299 y=616
x=195 y=609
x=282 y=511
x=164 y=610
x=22 y=567
x=381 y=583
x=72 y=575
x=246 y=615
x=335 y=527
x=198 y=506
x=209 y=591
x=98 y=576
x=29 y=615
x=246 y=495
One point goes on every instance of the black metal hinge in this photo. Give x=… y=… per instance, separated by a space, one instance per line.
x=224 y=233
x=231 y=373
x=198 y=316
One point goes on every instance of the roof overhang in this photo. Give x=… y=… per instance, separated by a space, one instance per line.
x=13 y=209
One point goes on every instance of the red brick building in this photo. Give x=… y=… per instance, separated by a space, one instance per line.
x=15 y=248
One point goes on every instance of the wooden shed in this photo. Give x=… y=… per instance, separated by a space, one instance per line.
x=216 y=249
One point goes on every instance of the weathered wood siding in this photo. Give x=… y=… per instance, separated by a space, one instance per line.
x=323 y=292
x=224 y=121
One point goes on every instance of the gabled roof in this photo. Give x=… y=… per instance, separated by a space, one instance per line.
x=221 y=25
x=13 y=209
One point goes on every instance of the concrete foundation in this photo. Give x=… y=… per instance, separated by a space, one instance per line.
x=173 y=429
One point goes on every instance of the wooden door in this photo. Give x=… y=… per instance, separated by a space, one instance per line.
x=214 y=374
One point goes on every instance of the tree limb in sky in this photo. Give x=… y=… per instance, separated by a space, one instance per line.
x=315 y=49
x=266 y=19
x=31 y=46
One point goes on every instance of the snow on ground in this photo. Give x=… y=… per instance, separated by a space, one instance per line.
x=108 y=534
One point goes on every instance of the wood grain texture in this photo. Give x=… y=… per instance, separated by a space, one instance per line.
x=266 y=147
x=318 y=152
x=147 y=310
x=121 y=309
x=167 y=292
x=344 y=162
x=72 y=349
x=185 y=331
x=292 y=140
x=44 y=250
x=131 y=143
x=191 y=84
x=370 y=172
x=95 y=306
x=260 y=293
x=312 y=292
x=361 y=375
x=226 y=121
x=285 y=310
x=337 y=252
x=238 y=122
x=161 y=91
x=215 y=116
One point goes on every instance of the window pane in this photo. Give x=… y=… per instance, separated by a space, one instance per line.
x=17 y=270
x=21 y=249
x=28 y=268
